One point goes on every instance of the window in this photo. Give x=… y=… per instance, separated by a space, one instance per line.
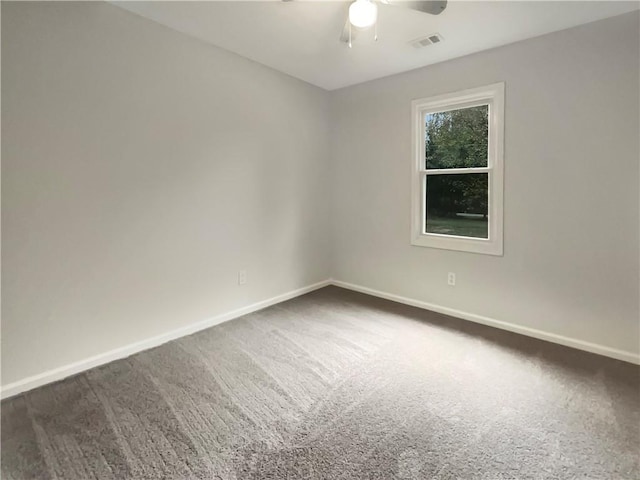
x=458 y=170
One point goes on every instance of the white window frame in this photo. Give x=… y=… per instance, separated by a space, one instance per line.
x=493 y=96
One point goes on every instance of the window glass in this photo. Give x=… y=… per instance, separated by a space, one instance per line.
x=457 y=138
x=457 y=204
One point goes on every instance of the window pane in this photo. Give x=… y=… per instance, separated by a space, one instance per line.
x=458 y=204
x=457 y=138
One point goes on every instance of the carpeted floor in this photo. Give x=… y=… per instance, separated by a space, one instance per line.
x=335 y=385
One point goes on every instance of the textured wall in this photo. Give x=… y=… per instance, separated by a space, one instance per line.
x=141 y=170
x=570 y=264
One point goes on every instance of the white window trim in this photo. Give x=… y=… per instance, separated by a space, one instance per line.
x=492 y=95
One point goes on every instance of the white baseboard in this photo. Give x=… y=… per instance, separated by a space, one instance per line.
x=59 y=373
x=530 y=332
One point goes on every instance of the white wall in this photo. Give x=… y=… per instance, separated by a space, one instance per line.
x=141 y=170
x=570 y=265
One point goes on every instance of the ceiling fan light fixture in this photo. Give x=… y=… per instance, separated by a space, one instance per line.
x=363 y=13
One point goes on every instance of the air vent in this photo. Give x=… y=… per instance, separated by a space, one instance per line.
x=426 y=41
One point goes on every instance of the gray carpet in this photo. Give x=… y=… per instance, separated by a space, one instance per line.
x=335 y=385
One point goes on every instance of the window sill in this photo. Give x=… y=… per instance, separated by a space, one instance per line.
x=462 y=244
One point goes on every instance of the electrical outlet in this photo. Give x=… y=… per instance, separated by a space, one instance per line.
x=451 y=279
x=242 y=277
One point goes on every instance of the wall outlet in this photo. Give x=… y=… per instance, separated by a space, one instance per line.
x=242 y=277
x=451 y=279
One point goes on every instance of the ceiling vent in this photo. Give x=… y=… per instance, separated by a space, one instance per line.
x=428 y=40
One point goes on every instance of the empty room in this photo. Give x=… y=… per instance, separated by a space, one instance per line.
x=317 y=240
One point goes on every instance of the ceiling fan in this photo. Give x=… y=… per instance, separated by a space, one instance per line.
x=363 y=14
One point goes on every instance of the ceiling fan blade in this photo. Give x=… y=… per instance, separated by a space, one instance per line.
x=432 y=7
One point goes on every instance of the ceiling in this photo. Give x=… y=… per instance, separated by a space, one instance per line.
x=302 y=38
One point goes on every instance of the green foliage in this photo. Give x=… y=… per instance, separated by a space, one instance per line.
x=457 y=139
x=460 y=193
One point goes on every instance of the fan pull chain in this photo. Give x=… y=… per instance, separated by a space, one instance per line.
x=350 y=45
x=375 y=31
